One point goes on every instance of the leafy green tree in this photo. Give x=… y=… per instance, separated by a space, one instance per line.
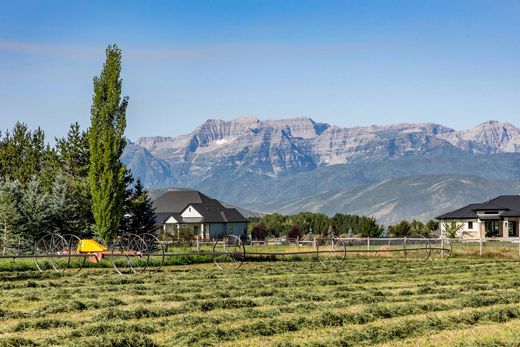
x=452 y=230
x=432 y=225
x=402 y=229
x=276 y=224
x=310 y=222
x=359 y=225
x=367 y=227
x=106 y=144
x=345 y=223
x=10 y=216
x=418 y=228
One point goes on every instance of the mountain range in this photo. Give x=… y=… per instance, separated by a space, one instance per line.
x=298 y=164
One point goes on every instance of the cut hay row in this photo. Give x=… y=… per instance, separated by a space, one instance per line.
x=368 y=301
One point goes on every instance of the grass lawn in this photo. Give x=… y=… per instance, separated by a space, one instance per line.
x=366 y=301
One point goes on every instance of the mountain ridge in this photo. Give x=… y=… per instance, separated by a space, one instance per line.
x=263 y=165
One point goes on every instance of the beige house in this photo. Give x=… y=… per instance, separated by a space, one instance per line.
x=499 y=217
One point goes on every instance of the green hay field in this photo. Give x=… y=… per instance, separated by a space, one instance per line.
x=366 y=301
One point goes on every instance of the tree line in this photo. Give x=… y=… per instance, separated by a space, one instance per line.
x=78 y=185
x=309 y=224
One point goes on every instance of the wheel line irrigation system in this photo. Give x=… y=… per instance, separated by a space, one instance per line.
x=133 y=254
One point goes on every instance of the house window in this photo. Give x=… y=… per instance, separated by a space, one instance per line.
x=230 y=229
x=470 y=225
x=492 y=228
x=189 y=209
x=513 y=229
x=491 y=212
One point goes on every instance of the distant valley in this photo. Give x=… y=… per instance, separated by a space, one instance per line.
x=390 y=172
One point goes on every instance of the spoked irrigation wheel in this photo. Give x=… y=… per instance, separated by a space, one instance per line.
x=129 y=254
x=76 y=261
x=229 y=253
x=418 y=247
x=442 y=247
x=52 y=251
x=155 y=252
x=331 y=251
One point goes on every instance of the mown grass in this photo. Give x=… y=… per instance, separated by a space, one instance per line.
x=366 y=301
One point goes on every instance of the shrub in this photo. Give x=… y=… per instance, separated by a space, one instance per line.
x=294 y=232
x=259 y=232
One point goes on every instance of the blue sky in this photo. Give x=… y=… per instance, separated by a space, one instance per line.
x=344 y=62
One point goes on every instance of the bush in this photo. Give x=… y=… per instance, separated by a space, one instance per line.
x=294 y=232
x=259 y=232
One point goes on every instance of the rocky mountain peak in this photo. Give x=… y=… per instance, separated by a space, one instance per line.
x=498 y=136
x=303 y=127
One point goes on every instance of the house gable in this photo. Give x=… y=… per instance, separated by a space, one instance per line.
x=172 y=220
x=190 y=212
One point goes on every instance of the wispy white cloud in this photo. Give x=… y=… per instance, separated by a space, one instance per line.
x=47 y=49
x=210 y=52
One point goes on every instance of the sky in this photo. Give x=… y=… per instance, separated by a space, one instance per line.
x=349 y=63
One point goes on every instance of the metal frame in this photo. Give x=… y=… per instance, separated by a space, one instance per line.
x=135 y=254
x=233 y=249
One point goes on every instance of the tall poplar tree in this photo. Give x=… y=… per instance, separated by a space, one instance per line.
x=106 y=144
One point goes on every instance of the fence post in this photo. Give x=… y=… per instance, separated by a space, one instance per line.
x=314 y=242
x=519 y=245
x=368 y=243
x=404 y=246
x=197 y=244
x=481 y=244
x=442 y=247
x=297 y=241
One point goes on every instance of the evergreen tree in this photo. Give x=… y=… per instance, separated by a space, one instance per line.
x=106 y=144
x=73 y=153
x=64 y=215
x=141 y=213
x=35 y=211
x=9 y=215
x=23 y=154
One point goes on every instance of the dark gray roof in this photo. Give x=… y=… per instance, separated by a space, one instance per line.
x=176 y=201
x=162 y=217
x=490 y=205
x=508 y=203
x=465 y=212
